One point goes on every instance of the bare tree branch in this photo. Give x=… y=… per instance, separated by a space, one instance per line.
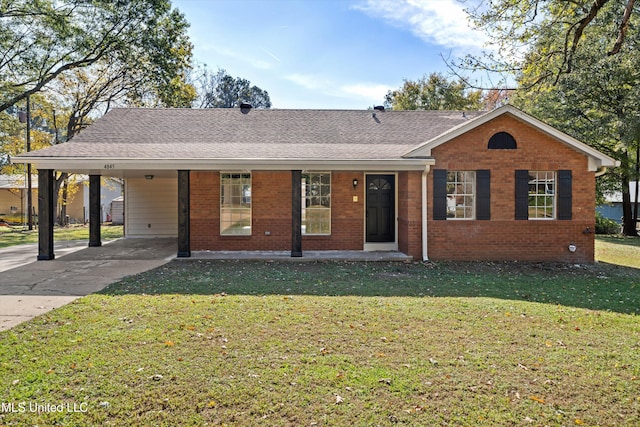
x=624 y=26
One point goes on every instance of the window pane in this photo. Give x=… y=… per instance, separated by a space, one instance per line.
x=316 y=206
x=461 y=194
x=235 y=204
x=542 y=194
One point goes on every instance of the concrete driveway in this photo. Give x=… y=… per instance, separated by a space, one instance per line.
x=29 y=288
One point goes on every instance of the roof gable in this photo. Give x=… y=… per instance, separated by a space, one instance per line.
x=596 y=158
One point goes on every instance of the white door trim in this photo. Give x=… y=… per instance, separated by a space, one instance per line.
x=385 y=246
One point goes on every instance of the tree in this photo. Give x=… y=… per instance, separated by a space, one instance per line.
x=597 y=102
x=42 y=39
x=546 y=35
x=154 y=77
x=433 y=92
x=144 y=66
x=220 y=90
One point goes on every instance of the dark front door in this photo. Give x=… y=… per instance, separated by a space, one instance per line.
x=381 y=212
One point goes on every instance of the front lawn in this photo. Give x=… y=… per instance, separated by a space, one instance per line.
x=333 y=343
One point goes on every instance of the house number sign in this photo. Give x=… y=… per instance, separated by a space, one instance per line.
x=109 y=166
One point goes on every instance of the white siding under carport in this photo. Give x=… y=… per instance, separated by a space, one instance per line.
x=151 y=207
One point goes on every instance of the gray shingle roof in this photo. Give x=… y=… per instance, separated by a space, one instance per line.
x=260 y=134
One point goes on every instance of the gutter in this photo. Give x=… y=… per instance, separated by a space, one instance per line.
x=107 y=165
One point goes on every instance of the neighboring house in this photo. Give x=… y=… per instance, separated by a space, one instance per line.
x=110 y=190
x=443 y=185
x=612 y=208
x=13 y=198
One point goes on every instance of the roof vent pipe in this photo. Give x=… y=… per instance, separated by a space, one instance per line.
x=245 y=107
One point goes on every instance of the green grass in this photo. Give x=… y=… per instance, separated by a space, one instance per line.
x=618 y=250
x=10 y=236
x=334 y=343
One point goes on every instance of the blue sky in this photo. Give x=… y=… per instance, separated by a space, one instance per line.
x=328 y=54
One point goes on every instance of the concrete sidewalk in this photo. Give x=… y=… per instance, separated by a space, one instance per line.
x=29 y=288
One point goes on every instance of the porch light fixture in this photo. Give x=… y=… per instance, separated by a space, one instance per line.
x=355 y=183
x=148 y=177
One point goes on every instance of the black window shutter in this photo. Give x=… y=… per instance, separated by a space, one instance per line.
x=564 y=194
x=439 y=194
x=483 y=194
x=522 y=194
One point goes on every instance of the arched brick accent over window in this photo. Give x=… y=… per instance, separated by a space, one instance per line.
x=502 y=141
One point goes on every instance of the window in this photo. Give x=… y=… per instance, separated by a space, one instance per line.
x=542 y=194
x=235 y=204
x=502 y=141
x=462 y=194
x=461 y=188
x=316 y=203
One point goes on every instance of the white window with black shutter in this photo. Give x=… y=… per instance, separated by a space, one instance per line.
x=543 y=195
x=461 y=195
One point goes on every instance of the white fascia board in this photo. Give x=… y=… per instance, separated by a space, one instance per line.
x=108 y=165
x=596 y=158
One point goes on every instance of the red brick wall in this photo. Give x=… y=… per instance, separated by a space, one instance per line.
x=504 y=238
x=501 y=238
x=271 y=213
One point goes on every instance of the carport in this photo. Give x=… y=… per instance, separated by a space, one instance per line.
x=164 y=224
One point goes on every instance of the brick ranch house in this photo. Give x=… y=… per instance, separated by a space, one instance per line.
x=442 y=185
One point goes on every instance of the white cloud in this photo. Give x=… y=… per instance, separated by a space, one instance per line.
x=367 y=91
x=309 y=81
x=443 y=22
x=361 y=93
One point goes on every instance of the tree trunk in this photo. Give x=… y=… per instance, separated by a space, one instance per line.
x=637 y=187
x=57 y=184
x=63 y=210
x=628 y=220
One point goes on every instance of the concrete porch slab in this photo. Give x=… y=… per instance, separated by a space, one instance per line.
x=362 y=256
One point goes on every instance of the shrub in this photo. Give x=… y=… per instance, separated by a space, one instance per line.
x=606 y=225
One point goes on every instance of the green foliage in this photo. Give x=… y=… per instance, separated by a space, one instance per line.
x=597 y=102
x=43 y=39
x=434 y=92
x=220 y=90
x=606 y=225
x=541 y=39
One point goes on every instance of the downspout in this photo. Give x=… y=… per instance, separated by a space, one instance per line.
x=601 y=172
x=425 y=253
